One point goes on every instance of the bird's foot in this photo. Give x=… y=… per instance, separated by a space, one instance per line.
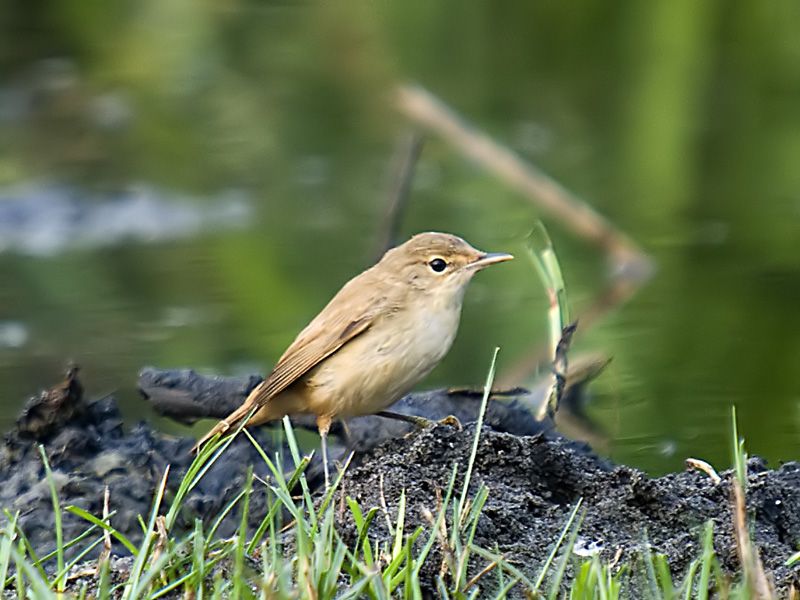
x=452 y=421
x=422 y=422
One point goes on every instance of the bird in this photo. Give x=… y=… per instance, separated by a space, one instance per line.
x=383 y=332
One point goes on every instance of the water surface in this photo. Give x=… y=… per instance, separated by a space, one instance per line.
x=677 y=122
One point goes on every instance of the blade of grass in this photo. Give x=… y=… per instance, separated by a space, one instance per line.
x=393 y=574
x=41 y=561
x=475 y=511
x=78 y=558
x=96 y=522
x=175 y=584
x=152 y=572
x=326 y=500
x=6 y=546
x=19 y=580
x=423 y=555
x=407 y=570
x=442 y=588
x=502 y=593
x=331 y=569
x=38 y=584
x=298 y=472
x=478 y=503
x=688 y=581
x=281 y=490
x=541 y=252
x=59 y=581
x=295 y=452
x=198 y=559
x=398 y=530
x=487 y=389
x=739 y=454
x=649 y=570
x=103 y=580
x=555 y=583
x=654 y=590
x=204 y=460
x=755 y=578
x=500 y=578
x=706 y=561
x=503 y=564
x=362 y=523
x=273 y=510
x=238 y=555
x=551 y=557
x=224 y=513
x=133 y=583
x=28 y=550
x=667 y=586
x=478 y=576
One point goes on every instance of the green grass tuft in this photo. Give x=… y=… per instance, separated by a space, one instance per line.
x=307 y=558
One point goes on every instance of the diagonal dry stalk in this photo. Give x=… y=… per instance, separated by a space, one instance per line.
x=629 y=266
x=406 y=154
x=105 y=552
x=755 y=577
x=423 y=107
x=756 y=582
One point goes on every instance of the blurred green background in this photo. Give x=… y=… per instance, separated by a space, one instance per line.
x=678 y=120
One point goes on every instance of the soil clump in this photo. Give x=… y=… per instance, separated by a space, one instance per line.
x=534 y=477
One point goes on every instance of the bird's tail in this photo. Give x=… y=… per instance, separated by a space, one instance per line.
x=236 y=418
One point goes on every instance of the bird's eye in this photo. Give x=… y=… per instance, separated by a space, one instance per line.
x=438 y=265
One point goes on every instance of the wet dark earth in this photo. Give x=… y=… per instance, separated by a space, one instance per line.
x=535 y=481
x=534 y=477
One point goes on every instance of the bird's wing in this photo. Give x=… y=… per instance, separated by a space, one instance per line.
x=304 y=354
x=326 y=334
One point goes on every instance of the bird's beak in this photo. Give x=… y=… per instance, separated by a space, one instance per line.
x=490 y=258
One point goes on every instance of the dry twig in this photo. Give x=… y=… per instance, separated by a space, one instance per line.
x=485 y=571
x=629 y=266
x=701 y=465
x=105 y=553
x=754 y=574
x=405 y=159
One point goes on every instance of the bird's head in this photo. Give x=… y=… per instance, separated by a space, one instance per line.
x=438 y=263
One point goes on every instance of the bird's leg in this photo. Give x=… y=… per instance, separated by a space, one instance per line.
x=421 y=422
x=452 y=421
x=324 y=425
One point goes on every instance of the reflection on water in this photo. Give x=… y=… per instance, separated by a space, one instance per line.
x=42 y=220
x=678 y=124
x=13 y=334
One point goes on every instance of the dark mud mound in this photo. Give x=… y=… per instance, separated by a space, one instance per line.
x=89 y=448
x=535 y=481
x=534 y=476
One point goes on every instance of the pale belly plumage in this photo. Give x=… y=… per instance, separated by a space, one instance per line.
x=381 y=365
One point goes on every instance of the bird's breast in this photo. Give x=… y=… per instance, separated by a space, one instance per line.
x=379 y=366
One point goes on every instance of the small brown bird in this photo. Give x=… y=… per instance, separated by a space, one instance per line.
x=386 y=329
